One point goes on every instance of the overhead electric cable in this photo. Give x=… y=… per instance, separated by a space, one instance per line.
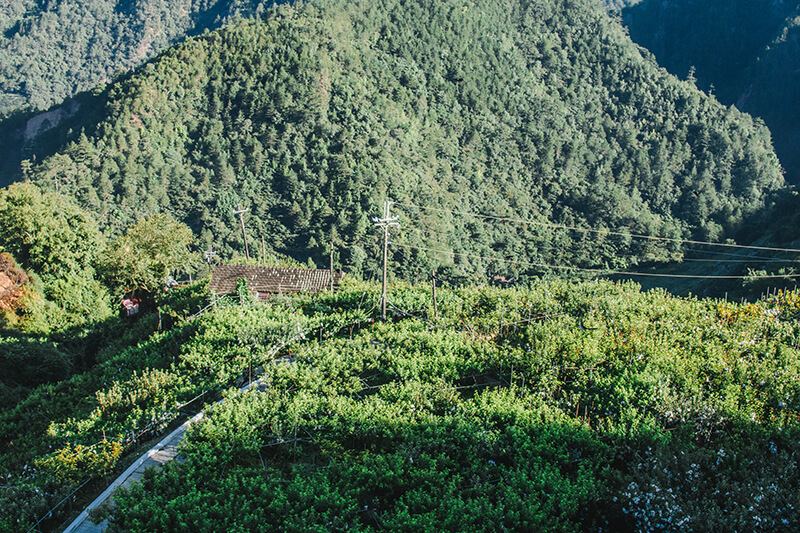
x=548 y=246
x=425 y=270
x=731 y=254
x=593 y=270
x=599 y=231
x=747 y=257
x=753 y=260
x=539 y=244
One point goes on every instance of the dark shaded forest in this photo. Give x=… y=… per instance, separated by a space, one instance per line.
x=745 y=53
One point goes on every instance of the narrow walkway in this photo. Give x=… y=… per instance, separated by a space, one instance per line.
x=161 y=453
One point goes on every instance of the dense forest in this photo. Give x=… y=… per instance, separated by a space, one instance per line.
x=564 y=406
x=542 y=111
x=744 y=52
x=53 y=50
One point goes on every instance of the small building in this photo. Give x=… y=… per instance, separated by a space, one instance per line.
x=263 y=282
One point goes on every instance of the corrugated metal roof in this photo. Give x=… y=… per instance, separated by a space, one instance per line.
x=272 y=280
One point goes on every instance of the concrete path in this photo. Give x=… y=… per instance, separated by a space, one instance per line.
x=163 y=452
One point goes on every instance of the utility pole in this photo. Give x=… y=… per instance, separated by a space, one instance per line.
x=385 y=223
x=263 y=251
x=331 y=266
x=435 y=305
x=241 y=213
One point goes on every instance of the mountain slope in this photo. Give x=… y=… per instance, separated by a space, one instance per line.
x=52 y=50
x=543 y=111
x=745 y=52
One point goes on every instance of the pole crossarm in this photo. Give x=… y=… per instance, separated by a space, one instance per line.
x=209 y=254
x=386 y=221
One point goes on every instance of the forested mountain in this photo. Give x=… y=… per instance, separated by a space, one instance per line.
x=746 y=52
x=54 y=49
x=543 y=111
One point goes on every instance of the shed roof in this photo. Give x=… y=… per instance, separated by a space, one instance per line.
x=272 y=280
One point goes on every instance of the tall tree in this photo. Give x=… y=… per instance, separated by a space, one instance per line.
x=58 y=242
x=150 y=251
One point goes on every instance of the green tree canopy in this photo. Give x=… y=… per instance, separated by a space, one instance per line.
x=86 y=42
x=59 y=243
x=47 y=232
x=149 y=251
x=540 y=111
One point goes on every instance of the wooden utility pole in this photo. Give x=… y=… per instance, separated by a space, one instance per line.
x=263 y=251
x=241 y=213
x=331 y=265
x=433 y=277
x=385 y=223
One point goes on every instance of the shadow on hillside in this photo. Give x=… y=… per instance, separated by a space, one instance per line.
x=37 y=135
x=777 y=226
x=32 y=359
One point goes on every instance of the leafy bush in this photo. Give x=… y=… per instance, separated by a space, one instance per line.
x=559 y=407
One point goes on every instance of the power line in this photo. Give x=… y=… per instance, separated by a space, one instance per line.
x=539 y=244
x=748 y=258
x=713 y=252
x=425 y=270
x=431 y=231
x=573 y=243
x=754 y=260
x=592 y=270
x=599 y=231
x=731 y=254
